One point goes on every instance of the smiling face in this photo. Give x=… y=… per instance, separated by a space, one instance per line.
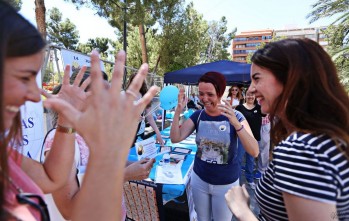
x=265 y=87
x=20 y=84
x=250 y=97
x=208 y=96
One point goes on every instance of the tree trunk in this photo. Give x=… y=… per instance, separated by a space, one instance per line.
x=143 y=43
x=40 y=11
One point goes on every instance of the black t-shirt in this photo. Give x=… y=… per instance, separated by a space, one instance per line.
x=254 y=119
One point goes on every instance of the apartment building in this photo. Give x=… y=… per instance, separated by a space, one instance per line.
x=248 y=41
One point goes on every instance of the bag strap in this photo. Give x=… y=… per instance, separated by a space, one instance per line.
x=43 y=143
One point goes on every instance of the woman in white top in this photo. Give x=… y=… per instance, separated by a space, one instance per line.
x=234 y=96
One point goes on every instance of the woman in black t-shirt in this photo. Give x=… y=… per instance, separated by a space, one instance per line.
x=252 y=112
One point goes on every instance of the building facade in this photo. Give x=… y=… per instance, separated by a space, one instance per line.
x=247 y=42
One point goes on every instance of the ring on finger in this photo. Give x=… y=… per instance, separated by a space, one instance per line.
x=133 y=94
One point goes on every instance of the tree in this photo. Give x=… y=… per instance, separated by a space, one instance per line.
x=40 y=16
x=17 y=4
x=219 y=41
x=183 y=38
x=337 y=33
x=62 y=33
x=142 y=14
x=102 y=44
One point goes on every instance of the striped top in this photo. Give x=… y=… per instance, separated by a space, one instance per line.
x=306 y=166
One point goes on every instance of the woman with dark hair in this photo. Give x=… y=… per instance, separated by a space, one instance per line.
x=252 y=112
x=23 y=180
x=218 y=126
x=22 y=53
x=296 y=82
x=145 y=115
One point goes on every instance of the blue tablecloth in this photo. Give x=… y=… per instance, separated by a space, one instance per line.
x=171 y=191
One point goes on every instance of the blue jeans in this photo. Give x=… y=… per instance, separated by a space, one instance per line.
x=249 y=163
x=209 y=200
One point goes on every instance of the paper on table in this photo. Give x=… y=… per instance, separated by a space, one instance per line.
x=169 y=175
x=146 y=148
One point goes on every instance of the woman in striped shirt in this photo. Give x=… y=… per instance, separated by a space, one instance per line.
x=296 y=82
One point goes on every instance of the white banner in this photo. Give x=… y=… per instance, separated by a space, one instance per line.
x=76 y=60
x=33 y=126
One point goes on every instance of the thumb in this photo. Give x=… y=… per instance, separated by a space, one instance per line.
x=64 y=109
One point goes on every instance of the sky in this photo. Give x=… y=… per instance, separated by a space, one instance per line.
x=240 y=14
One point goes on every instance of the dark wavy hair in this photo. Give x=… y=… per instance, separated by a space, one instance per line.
x=17 y=38
x=313 y=100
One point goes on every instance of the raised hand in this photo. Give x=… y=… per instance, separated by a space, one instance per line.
x=108 y=124
x=110 y=116
x=182 y=99
x=228 y=111
x=71 y=93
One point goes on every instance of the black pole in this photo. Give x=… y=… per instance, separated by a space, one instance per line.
x=125 y=44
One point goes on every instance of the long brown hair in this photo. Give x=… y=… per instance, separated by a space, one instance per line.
x=313 y=100
x=17 y=38
x=238 y=95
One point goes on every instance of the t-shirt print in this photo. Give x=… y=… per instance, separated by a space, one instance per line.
x=214 y=141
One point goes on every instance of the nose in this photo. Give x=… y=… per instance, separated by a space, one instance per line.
x=33 y=92
x=251 y=88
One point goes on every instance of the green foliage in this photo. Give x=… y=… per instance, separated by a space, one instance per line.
x=63 y=33
x=337 y=33
x=218 y=41
x=183 y=39
x=101 y=44
x=17 y=4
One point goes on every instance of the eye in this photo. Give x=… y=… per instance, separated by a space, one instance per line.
x=25 y=79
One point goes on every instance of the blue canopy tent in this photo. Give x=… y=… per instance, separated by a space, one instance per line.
x=234 y=72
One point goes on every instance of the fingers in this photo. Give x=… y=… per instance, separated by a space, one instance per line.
x=79 y=76
x=85 y=84
x=45 y=93
x=142 y=103
x=63 y=108
x=245 y=190
x=96 y=74
x=118 y=72
x=66 y=76
x=137 y=81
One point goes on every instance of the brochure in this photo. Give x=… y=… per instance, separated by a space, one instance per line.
x=146 y=148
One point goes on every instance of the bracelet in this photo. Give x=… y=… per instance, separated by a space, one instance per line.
x=67 y=130
x=242 y=127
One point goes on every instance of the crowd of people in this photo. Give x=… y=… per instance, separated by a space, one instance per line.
x=294 y=81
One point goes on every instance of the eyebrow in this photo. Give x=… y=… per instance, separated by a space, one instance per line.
x=254 y=74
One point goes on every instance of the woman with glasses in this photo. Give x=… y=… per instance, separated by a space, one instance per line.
x=100 y=124
x=297 y=83
x=235 y=96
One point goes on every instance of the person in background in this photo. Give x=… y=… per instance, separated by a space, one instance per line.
x=296 y=82
x=196 y=101
x=235 y=96
x=264 y=147
x=64 y=197
x=252 y=112
x=218 y=126
x=145 y=115
x=100 y=124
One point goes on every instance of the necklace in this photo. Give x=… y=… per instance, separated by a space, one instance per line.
x=20 y=190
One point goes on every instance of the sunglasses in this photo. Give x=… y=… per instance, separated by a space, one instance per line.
x=36 y=202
